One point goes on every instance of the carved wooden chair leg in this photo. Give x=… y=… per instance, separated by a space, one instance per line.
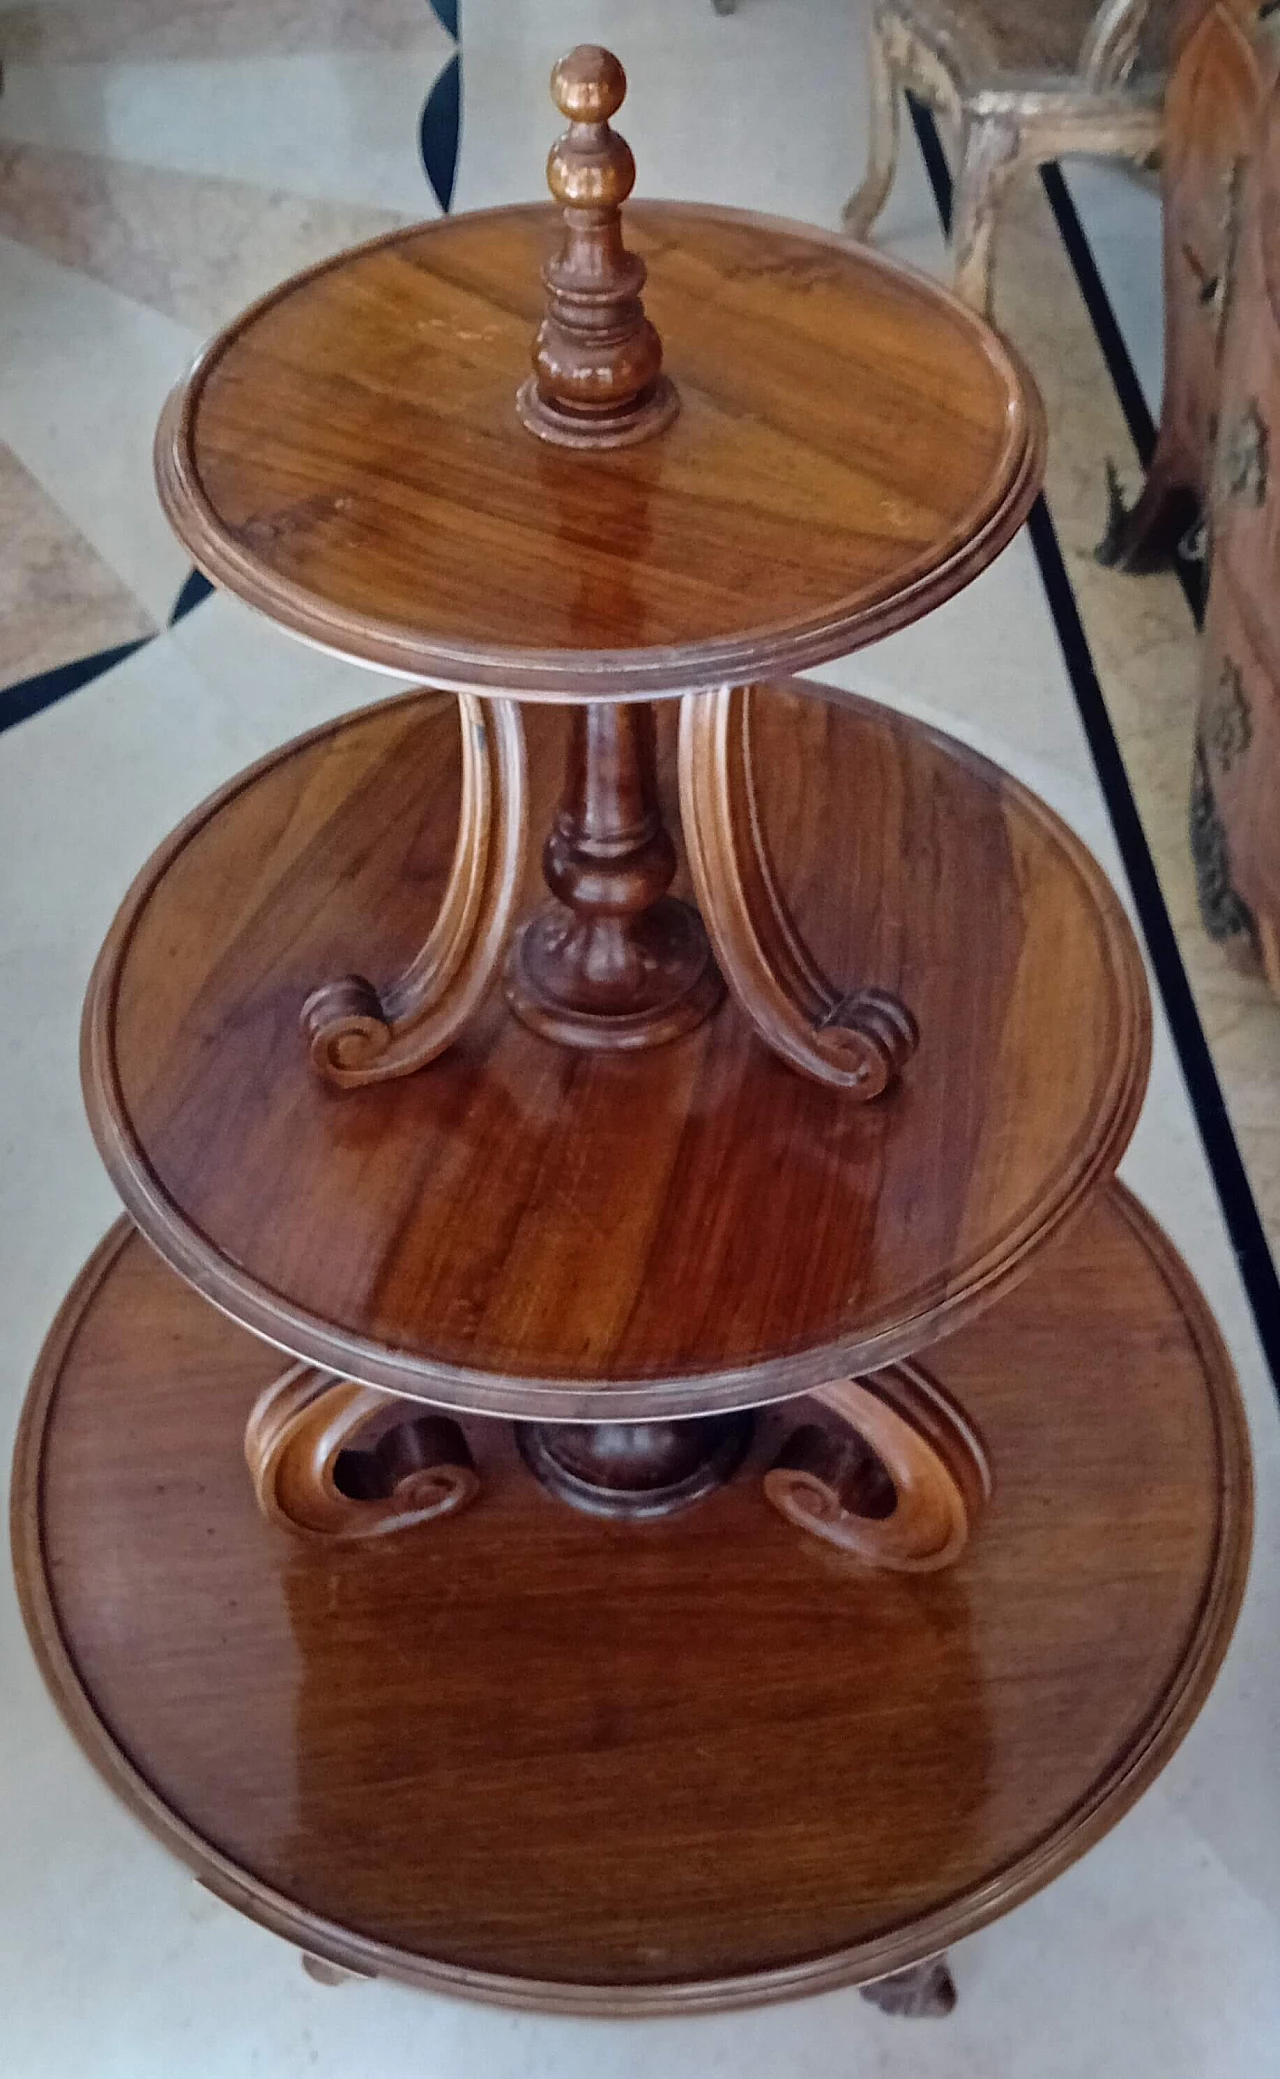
x=338 y=1460
x=999 y=141
x=924 y=1991
x=899 y=1481
x=864 y=206
x=357 y=1035
x=992 y=153
x=856 y=1041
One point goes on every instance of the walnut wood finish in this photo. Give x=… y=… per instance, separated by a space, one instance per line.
x=339 y=1460
x=626 y=1768
x=853 y=446
x=356 y=1034
x=615 y=961
x=584 y=1237
x=899 y=1479
x=597 y=380
x=857 y=1040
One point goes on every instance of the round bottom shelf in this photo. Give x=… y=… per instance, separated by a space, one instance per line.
x=546 y=1758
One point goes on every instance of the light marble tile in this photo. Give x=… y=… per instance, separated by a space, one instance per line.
x=157 y=30
x=83 y=374
x=342 y=129
x=58 y=600
x=1119 y=207
x=194 y=246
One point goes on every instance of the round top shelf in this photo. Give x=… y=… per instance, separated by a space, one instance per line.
x=852 y=447
x=529 y=1230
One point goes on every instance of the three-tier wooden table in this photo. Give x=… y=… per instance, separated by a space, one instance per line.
x=745 y=1497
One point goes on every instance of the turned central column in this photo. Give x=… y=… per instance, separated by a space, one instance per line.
x=614 y=961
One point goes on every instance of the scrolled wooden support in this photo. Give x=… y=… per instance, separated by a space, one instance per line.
x=858 y=1041
x=597 y=360
x=335 y=1459
x=900 y=1485
x=357 y=1035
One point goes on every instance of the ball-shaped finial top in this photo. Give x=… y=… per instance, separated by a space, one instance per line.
x=589 y=85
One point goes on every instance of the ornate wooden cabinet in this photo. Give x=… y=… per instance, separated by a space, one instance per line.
x=1236 y=797
x=1213 y=456
x=1224 y=57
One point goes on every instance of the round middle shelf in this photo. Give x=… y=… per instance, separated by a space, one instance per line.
x=526 y=1230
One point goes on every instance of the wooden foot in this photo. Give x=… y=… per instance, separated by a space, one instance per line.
x=1144 y=536
x=927 y=1991
x=326 y=1973
x=615 y=962
x=339 y=1460
x=357 y=1035
x=634 y=1469
x=858 y=1040
x=899 y=1479
x=862 y=208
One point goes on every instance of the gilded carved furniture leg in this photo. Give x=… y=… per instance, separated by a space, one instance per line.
x=925 y=1991
x=855 y=1041
x=339 y=1460
x=899 y=1480
x=358 y=1035
x=992 y=153
x=863 y=207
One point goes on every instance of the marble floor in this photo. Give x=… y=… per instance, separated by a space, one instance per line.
x=162 y=161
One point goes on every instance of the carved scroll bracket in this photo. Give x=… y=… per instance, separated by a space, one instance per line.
x=899 y=1481
x=857 y=1041
x=337 y=1460
x=357 y=1035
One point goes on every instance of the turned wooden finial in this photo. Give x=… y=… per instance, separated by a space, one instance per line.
x=597 y=380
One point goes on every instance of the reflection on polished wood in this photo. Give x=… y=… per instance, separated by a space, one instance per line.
x=535 y=1756
x=588 y=1236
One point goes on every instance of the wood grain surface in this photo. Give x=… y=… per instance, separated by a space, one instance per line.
x=533 y=1756
x=526 y=1230
x=852 y=447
